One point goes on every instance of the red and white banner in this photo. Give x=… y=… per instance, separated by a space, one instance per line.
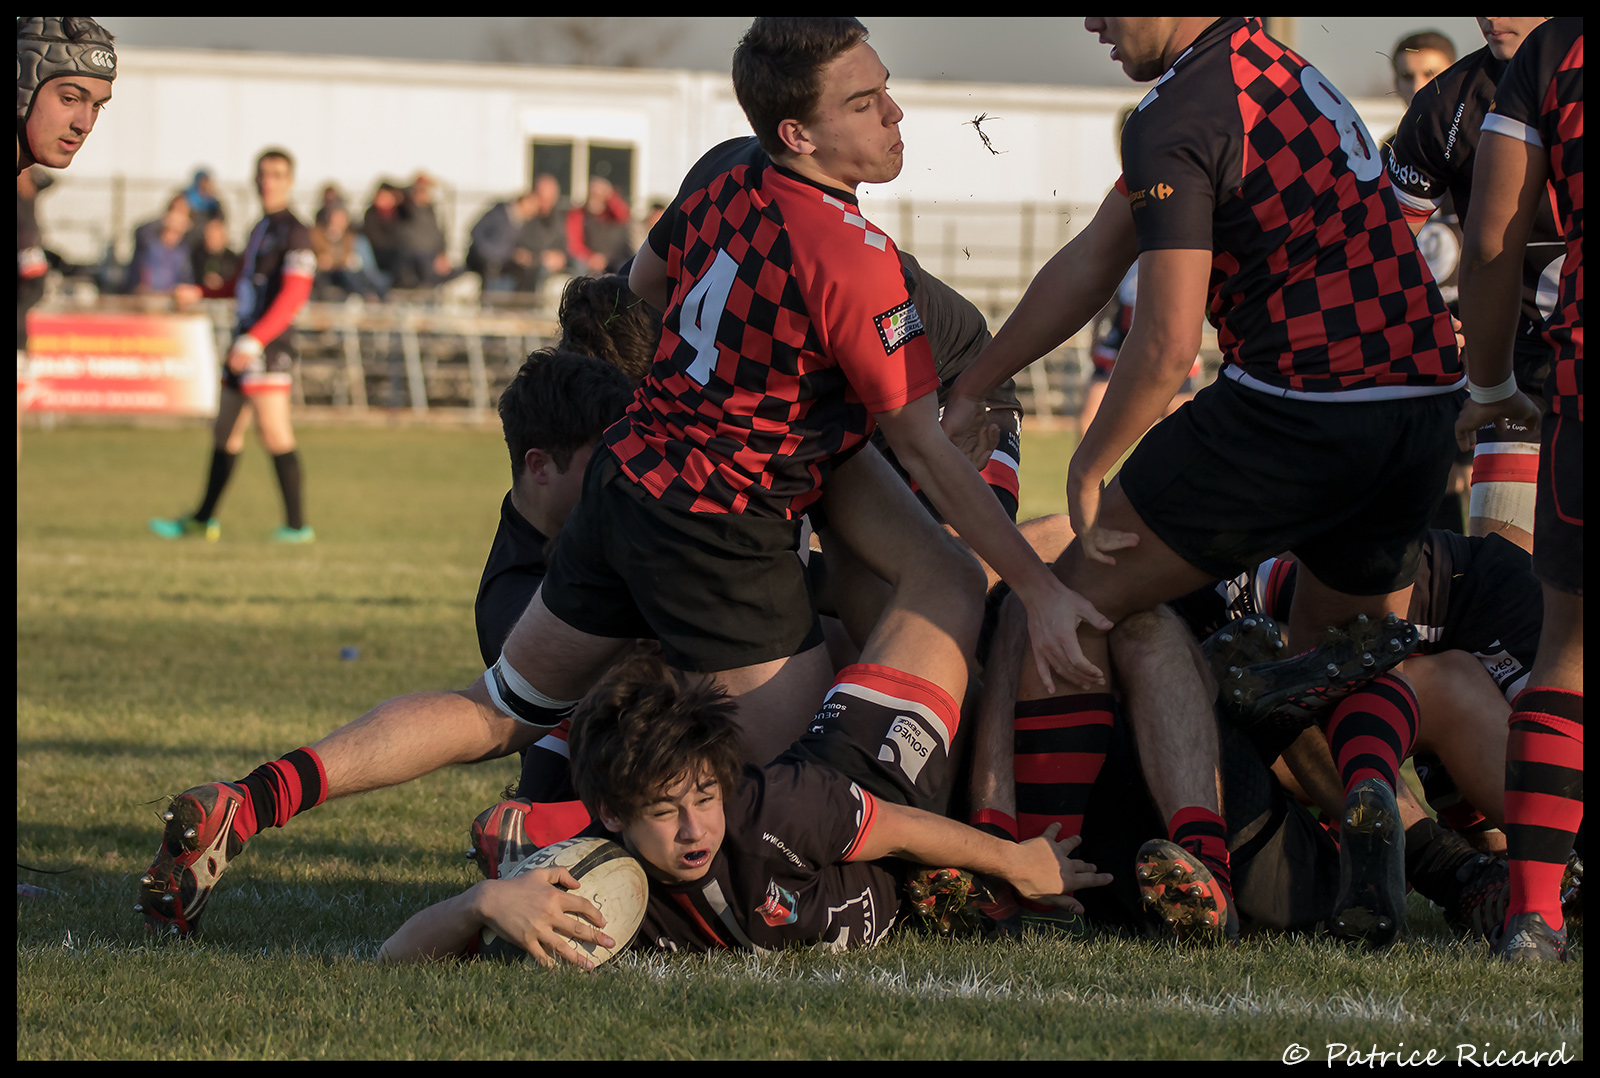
x=129 y=363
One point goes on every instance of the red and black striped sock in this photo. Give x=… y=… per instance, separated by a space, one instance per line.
x=283 y=789
x=1372 y=730
x=1544 y=796
x=1204 y=834
x=1060 y=745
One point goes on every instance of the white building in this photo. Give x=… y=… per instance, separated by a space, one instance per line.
x=481 y=130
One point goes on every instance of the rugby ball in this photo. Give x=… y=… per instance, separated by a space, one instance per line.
x=607 y=876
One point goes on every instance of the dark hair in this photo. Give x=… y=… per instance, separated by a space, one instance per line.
x=274 y=152
x=777 y=69
x=601 y=317
x=560 y=402
x=646 y=726
x=1424 y=39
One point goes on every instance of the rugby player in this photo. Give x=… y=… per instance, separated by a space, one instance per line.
x=691 y=536
x=763 y=858
x=272 y=283
x=65 y=67
x=1430 y=160
x=1533 y=138
x=1252 y=194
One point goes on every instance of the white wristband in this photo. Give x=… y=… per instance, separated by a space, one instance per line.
x=1491 y=394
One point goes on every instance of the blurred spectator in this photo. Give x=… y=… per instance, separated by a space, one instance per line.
x=162 y=262
x=381 y=226
x=31 y=262
x=332 y=197
x=345 y=262
x=657 y=208
x=212 y=262
x=496 y=253
x=544 y=234
x=1419 y=58
x=599 y=232
x=202 y=198
x=422 y=262
x=146 y=233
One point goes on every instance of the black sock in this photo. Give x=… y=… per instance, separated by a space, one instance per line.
x=221 y=468
x=288 y=466
x=1433 y=857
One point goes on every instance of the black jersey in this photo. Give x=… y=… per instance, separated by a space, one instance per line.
x=1431 y=158
x=514 y=571
x=789 y=325
x=278 y=250
x=1477 y=595
x=1317 y=288
x=784 y=874
x=957 y=332
x=1540 y=100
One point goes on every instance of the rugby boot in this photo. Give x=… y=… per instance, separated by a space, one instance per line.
x=1371 y=906
x=499 y=837
x=956 y=903
x=1529 y=938
x=1074 y=926
x=1245 y=641
x=286 y=534
x=183 y=527
x=1180 y=892
x=200 y=840
x=1485 y=896
x=1572 y=888
x=1292 y=694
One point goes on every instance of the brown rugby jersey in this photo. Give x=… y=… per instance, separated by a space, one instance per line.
x=1317 y=288
x=1540 y=100
x=788 y=327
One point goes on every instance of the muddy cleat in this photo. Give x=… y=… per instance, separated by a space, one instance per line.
x=199 y=841
x=956 y=903
x=184 y=527
x=1485 y=895
x=499 y=837
x=1180 y=892
x=1528 y=938
x=1371 y=906
x=1295 y=693
x=1572 y=888
x=1245 y=641
x=1072 y=926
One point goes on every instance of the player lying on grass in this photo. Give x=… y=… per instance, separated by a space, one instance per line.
x=754 y=859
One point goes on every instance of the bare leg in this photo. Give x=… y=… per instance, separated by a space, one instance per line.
x=1162 y=673
x=233 y=419
x=993 y=784
x=272 y=416
x=777 y=699
x=1464 y=720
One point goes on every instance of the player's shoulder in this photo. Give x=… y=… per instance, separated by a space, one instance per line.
x=723 y=158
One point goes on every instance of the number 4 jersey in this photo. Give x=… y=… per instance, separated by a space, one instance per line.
x=789 y=326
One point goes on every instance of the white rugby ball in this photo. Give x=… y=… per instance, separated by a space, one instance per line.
x=608 y=877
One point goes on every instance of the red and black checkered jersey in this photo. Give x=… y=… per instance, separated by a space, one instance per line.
x=1432 y=154
x=1317 y=288
x=789 y=326
x=784 y=874
x=1540 y=100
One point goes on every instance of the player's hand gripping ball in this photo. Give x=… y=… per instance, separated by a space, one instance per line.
x=608 y=877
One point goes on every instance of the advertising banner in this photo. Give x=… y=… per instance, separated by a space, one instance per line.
x=126 y=363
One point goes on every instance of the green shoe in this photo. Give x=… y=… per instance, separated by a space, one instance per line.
x=182 y=527
x=294 y=535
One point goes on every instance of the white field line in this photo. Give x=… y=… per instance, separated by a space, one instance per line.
x=976 y=984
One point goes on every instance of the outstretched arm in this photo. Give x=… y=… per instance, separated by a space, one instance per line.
x=1039 y=869
x=531 y=911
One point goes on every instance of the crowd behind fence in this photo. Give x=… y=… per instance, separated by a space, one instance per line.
x=455 y=346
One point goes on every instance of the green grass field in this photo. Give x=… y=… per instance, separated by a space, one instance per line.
x=145 y=667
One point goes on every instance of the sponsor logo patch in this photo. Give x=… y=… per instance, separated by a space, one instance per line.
x=779 y=908
x=898 y=325
x=1160 y=191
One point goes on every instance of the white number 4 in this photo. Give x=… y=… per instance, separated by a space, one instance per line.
x=702 y=313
